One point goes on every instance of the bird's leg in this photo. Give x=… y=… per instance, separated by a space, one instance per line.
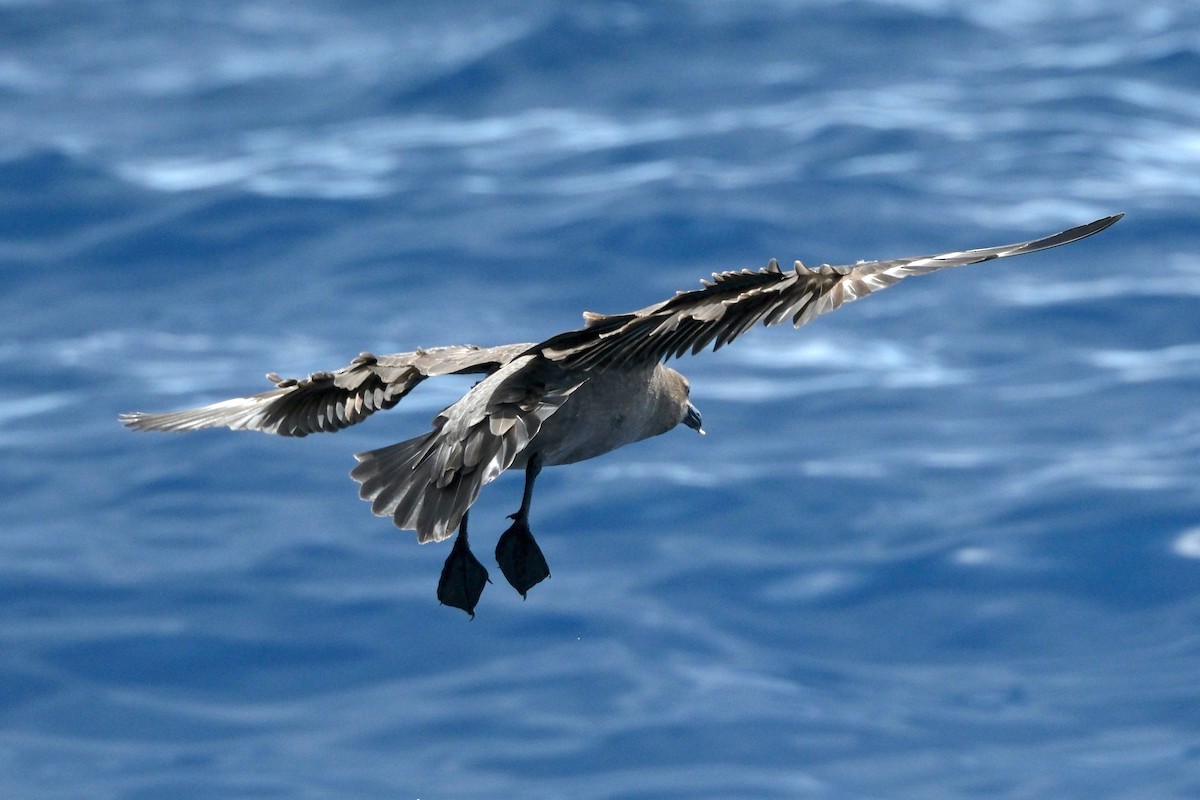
x=463 y=577
x=519 y=556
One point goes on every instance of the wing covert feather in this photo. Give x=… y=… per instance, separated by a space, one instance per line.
x=426 y=484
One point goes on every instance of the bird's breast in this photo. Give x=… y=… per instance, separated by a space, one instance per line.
x=610 y=410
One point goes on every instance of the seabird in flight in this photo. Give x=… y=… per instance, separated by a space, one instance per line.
x=572 y=397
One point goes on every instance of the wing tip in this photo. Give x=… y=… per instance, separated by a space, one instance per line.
x=1103 y=223
x=1072 y=235
x=134 y=420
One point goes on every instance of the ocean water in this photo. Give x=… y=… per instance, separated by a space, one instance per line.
x=942 y=543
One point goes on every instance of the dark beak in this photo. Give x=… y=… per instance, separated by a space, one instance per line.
x=692 y=419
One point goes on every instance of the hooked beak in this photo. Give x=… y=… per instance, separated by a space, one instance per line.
x=692 y=419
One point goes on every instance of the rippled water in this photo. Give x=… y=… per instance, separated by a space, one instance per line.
x=944 y=542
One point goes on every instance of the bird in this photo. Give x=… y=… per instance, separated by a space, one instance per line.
x=574 y=396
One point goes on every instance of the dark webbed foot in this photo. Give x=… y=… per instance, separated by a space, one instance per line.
x=463 y=577
x=520 y=558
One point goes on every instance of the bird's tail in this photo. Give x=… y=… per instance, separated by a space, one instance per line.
x=402 y=481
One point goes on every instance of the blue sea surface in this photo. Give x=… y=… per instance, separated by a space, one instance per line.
x=942 y=543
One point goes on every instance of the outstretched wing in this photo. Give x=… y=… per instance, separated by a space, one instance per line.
x=426 y=484
x=330 y=401
x=732 y=302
